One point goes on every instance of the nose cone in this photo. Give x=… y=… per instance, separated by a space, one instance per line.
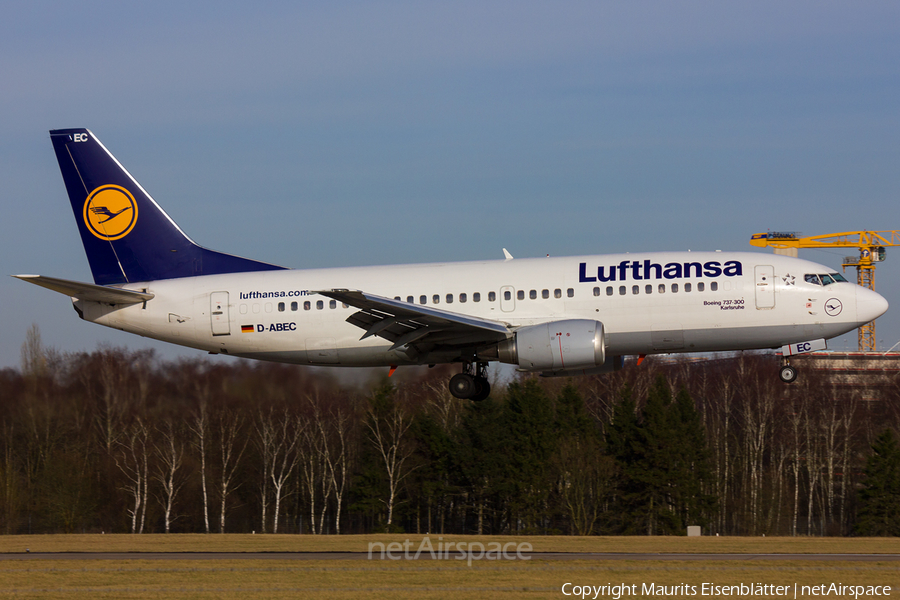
x=869 y=305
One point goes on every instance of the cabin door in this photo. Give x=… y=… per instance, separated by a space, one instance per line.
x=765 y=286
x=218 y=313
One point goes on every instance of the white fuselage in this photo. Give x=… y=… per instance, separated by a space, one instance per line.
x=648 y=303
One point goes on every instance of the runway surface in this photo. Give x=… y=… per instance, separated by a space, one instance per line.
x=594 y=556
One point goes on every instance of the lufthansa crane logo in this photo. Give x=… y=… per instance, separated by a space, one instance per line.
x=110 y=212
x=833 y=307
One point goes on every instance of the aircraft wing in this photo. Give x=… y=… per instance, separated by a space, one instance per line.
x=87 y=291
x=407 y=323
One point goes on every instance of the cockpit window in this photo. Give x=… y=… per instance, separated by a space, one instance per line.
x=823 y=278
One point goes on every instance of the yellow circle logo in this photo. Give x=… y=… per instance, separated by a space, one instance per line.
x=110 y=212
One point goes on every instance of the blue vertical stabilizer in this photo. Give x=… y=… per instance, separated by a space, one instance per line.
x=127 y=237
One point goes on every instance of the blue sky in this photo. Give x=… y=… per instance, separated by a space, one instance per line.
x=352 y=133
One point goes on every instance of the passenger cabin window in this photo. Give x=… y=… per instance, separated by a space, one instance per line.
x=662 y=288
x=533 y=294
x=492 y=296
x=410 y=299
x=281 y=307
x=635 y=289
x=476 y=297
x=701 y=286
x=609 y=290
x=332 y=304
x=596 y=291
x=648 y=289
x=713 y=286
x=621 y=290
x=423 y=299
x=307 y=305
x=320 y=304
x=507 y=295
x=520 y=294
x=557 y=293
x=570 y=293
x=546 y=293
x=463 y=297
x=294 y=306
x=449 y=298
x=674 y=288
x=436 y=299
x=687 y=287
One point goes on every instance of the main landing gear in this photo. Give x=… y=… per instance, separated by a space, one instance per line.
x=471 y=384
x=787 y=373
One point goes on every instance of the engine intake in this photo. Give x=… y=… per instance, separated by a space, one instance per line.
x=556 y=346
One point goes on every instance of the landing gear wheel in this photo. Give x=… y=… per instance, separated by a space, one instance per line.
x=787 y=374
x=463 y=386
x=482 y=389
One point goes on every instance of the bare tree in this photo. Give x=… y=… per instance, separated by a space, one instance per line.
x=795 y=418
x=847 y=423
x=813 y=465
x=132 y=461
x=756 y=410
x=10 y=495
x=230 y=454
x=277 y=438
x=200 y=428
x=33 y=357
x=585 y=476
x=170 y=451
x=338 y=459
x=388 y=424
x=122 y=384
x=311 y=466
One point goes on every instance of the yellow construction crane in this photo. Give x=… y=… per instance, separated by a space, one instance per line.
x=871 y=245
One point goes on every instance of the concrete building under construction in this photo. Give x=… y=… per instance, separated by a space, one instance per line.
x=870 y=372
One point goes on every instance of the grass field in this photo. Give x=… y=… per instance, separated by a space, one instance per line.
x=535 y=578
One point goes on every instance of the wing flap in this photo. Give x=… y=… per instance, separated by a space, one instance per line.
x=405 y=323
x=87 y=291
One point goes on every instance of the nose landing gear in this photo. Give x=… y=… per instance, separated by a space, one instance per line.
x=471 y=384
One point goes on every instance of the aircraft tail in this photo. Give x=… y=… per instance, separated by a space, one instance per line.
x=127 y=237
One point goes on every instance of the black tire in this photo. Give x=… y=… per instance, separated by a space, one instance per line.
x=788 y=374
x=482 y=389
x=462 y=386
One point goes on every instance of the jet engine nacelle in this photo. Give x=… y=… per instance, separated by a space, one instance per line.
x=555 y=346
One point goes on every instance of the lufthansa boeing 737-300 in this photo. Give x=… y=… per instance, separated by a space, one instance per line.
x=553 y=316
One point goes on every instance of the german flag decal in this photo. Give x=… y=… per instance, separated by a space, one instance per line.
x=246 y=328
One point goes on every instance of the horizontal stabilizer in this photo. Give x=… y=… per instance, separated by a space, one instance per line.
x=87 y=291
